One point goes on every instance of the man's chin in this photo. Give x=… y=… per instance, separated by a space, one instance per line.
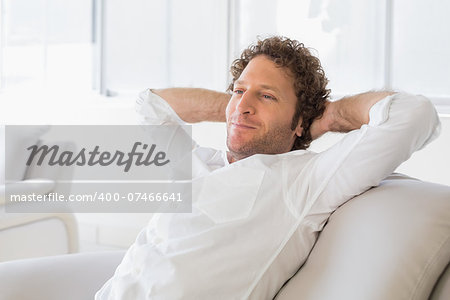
x=240 y=151
x=236 y=145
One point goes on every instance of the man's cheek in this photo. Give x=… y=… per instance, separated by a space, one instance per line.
x=228 y=110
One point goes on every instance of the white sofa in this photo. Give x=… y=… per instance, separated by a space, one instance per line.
x=391 y=242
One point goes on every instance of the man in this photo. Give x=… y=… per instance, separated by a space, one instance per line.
x=258 y=208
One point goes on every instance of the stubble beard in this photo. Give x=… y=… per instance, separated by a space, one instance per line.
x=276 y=141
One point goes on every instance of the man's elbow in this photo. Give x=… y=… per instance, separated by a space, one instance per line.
x=422 y=117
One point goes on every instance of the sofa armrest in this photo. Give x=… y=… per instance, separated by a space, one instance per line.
x=25 y=235
x=68 y=277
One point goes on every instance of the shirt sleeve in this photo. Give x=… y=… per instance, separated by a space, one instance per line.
x=154 y=110
x=399 y=125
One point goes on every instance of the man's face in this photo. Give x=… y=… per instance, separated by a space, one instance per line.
x=260 y=112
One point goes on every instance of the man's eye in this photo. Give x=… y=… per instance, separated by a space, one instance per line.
x=268 y=97
x=240 y=92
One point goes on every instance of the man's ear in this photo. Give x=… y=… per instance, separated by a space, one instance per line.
x=299 y=129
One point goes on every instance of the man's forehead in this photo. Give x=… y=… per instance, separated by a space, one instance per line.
x=259 y=84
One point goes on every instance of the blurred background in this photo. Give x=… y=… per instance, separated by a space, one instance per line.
x=85 y=61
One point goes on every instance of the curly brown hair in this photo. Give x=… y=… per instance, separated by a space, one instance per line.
x=309 y=79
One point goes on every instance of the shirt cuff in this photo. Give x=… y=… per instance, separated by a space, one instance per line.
x=379 y=112
x=154 y=110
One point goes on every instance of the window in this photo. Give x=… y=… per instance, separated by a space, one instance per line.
x=421 y=47
x=46 y=44
x=126 y=46
x=163 y=43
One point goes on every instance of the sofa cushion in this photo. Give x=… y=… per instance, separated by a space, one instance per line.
x=391 y=242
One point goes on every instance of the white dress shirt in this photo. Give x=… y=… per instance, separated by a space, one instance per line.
x=254 y=222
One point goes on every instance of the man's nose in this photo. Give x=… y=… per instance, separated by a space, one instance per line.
x=246 y=104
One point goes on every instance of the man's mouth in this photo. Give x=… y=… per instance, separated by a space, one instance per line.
x=242 y=125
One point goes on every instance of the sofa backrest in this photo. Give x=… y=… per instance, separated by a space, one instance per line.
x=391 y=242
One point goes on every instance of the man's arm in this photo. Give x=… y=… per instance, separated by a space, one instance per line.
x=389 y=130
x=384 y=129
x=347 y=114
x=196 y=105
